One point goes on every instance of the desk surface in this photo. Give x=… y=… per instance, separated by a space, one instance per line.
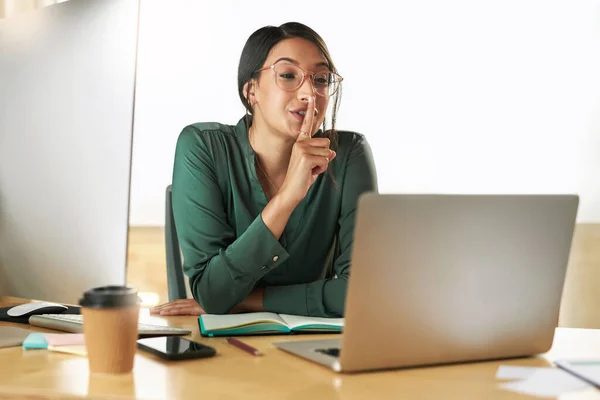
x=39 y=374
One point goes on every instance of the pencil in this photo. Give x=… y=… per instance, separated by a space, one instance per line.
x=243 y=346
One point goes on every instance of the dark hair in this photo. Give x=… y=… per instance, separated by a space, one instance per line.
x=257 y=49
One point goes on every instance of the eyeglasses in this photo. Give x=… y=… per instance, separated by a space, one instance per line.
x=290 y=77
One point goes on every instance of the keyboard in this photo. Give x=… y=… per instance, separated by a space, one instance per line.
x=332 y=351
x=74 y=323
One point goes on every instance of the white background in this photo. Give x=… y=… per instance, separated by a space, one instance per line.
x=454 y=97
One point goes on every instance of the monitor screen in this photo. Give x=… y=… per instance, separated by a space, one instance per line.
x=67 y=82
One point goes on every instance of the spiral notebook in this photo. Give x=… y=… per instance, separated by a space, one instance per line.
x=263 y=323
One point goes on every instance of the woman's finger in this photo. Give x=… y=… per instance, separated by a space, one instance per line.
x=175 y=303
x=306 y=130
x=165 y=305
x=317 y=151
x=181 y=311
x=320 y=142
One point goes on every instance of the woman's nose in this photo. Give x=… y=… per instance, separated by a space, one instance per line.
x=306 y=89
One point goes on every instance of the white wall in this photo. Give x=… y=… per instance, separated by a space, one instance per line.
x=462 y=96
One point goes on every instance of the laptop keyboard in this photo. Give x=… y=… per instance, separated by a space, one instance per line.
x=332 y=351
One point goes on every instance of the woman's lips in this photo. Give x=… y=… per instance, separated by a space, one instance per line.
x=299 y=116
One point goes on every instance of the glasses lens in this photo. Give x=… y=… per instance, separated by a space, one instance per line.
x=289 y=77
x=326 y=83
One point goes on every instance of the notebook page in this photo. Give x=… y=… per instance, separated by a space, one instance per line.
x=294 y=321
x=214 y=322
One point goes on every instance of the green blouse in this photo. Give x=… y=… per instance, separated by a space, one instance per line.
x=228 y=250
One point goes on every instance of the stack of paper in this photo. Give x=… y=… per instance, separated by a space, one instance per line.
x=588 y=370
x=72 y=343
x=541 y=382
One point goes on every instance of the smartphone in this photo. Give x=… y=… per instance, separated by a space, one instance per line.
x=175 y=348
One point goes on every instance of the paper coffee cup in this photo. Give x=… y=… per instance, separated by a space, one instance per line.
x=110 y=326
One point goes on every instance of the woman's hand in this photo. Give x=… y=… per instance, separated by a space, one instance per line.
x=252 y=303
x=178 y=307
x=310 y=158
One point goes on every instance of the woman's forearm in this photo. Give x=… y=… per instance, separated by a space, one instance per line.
x=277 y=214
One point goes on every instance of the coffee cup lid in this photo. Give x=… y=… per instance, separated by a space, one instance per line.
x=110 y=297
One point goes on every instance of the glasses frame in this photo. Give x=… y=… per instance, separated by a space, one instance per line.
x=305 y=74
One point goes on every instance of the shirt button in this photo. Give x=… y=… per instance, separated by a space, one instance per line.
x=264 y=267
x=275 y=258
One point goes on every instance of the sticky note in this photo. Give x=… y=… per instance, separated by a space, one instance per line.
x=64 y=339
x=79 y=350
x=35 y=341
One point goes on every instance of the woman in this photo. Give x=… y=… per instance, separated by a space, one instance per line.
x=265 y=209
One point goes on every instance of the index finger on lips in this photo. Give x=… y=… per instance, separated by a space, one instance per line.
x=306 y=129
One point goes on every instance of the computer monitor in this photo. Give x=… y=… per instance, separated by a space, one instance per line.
x=67 y=82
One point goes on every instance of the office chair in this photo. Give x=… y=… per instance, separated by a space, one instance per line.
x=175 y=282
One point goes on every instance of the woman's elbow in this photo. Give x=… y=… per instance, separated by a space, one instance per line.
x=335 y=303
x=209 y=301
x=212 y=304
x=212 y=307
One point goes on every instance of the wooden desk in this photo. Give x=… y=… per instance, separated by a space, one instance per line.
x=233 y=374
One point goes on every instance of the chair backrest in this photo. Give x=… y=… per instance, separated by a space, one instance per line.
x=175 y=278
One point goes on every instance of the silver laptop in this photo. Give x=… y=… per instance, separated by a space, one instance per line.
x=439 y=279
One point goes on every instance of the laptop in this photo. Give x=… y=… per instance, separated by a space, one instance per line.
x=439 y=279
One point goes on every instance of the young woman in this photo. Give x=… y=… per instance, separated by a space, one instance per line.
x=265 y=209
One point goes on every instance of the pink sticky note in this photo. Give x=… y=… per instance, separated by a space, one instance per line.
x=64 y=339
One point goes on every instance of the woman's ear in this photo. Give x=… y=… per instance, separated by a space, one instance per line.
x=249 y=92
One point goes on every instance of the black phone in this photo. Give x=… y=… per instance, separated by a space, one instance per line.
x=175 y=348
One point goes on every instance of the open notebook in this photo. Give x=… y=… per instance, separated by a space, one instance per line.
x=260 y=323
